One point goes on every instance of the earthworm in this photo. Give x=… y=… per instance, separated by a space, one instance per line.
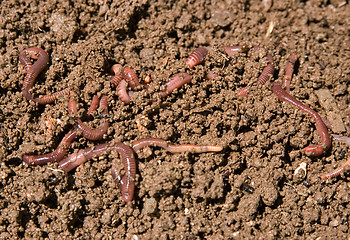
x=344 y=139
x=175 y=81
x=337 y=171
x=197 y=56
x=97 y=133
x=268 y=71
x=123 y=92
x=287 y=78
x=54 y=156
x=126 y=183
x=315 y=150
x=33 y=71
x=130 y=76
x=234 y=50
x=157 y=142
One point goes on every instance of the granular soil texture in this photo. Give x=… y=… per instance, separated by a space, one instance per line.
x=250 y=190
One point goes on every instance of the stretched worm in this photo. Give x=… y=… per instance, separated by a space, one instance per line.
x=157 y=142
x=315 y=150
x=287 y=78
x=175 y=81
x=197 y=56
x=56 y=155
x=126 y=182
x=337 y=171
x=33 y=71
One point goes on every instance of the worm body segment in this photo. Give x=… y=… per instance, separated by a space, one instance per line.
x=56 y=155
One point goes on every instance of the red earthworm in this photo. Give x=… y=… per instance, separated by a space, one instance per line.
x=287 y=78
x=268 y=71
x=157 y=142
x=315 y=150
x=126 y=183
x=337 y=171
x=197 y=56
x=97 y=133
x=130 y=76
x=56 y=155
x=33 y=71
x=175 y=81
x=123 y=92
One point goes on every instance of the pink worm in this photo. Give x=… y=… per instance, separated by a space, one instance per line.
x=175 y=81
x=315 y=150
x=33 y=71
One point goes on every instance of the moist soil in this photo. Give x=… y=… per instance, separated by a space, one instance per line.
x=250 y=190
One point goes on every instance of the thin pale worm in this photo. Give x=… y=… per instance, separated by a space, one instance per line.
x=315 y=150
x=33 y=71
x=287 y=78
x=344 y=139
x=175 y=82
x=197 y=56
x=157 y=142
x=338 y=171
x=127 y=182
x=54 y=156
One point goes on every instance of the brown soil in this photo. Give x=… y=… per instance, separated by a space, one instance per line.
x=247 y=191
